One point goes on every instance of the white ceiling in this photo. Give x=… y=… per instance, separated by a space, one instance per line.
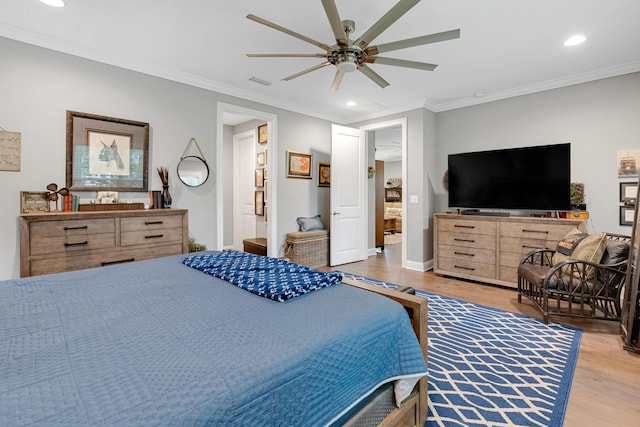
x=507 y=48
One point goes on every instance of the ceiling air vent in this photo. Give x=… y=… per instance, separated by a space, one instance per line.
x=260 y=81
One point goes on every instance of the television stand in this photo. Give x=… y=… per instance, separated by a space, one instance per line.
x=483 y=213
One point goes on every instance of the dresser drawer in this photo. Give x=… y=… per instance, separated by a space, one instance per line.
x=466 y=226
x=468 y=240
x=486 y=256
x=553 y=232
x=151 y=236
x=71 y=236
x=514 y=244
x=144 y=223
x=467 y=268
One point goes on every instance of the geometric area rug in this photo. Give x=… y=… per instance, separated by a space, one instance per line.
x=489 y=367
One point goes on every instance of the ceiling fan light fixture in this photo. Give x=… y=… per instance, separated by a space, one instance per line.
x=575 y=40
x=54 y=3
x=347 y=67
x=351 y=103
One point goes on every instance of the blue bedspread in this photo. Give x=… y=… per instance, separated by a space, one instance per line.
x=159 y=343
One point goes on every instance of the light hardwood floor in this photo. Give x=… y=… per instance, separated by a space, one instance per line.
x=606 y=383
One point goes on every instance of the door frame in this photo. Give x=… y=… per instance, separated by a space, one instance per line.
x=402 y=122
x=272 y=160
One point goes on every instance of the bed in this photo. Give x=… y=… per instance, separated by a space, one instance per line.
x=158 y=342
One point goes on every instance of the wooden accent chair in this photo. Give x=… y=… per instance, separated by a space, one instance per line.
x=576 y=287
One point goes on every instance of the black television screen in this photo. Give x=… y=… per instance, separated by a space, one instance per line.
x=529 y=178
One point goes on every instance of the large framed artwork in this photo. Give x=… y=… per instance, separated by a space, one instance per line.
x=106 y=153
x=298 y=165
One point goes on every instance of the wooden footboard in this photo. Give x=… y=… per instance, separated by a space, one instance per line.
x=413 y=411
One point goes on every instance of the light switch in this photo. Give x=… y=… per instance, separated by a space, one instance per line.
x=413 y=199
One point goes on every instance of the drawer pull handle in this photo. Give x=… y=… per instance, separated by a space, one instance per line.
x=530 y=247
x=154 y=236
x=82 y=227
x=464 y=226
x=465 y=240
x=524 y=230
x=464 y=268
x=153 y=222
x=464 y=253
x=76 y=244
x=122 y=261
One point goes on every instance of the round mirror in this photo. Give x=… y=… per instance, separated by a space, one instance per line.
x=193 y=171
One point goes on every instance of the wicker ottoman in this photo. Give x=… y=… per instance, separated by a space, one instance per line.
x=310 y=248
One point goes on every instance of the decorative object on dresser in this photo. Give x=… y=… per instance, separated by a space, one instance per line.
x=582 y=277
x=166 y=196
x=55 y=193
x=76 y=240
x=490 y=248
x=106 y=153
x=34 y=201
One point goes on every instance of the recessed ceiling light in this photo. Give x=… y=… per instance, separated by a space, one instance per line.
x=351 y=103
x=575 y=40
x=54 y=3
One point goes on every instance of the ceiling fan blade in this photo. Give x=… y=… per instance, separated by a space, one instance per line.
x=308 y=70
x=337 y=80
x=288 y=31
x=416 y=41
x=287 y=55
x=385 y=22
x=401 y=63
x=331 y=10
x=367 y=71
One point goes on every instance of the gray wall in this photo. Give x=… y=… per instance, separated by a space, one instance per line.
x=597 y=118
x=39 y=85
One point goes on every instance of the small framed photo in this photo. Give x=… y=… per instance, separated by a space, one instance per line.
x=262 y=134
x=628 y=193
x=259 y=203
x=324 y=174
x=262 y=158
x=298 y=165
x=626 y=215
x=259 y=177
x=34 y=201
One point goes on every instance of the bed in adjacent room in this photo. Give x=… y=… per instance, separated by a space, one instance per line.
x=158 y=342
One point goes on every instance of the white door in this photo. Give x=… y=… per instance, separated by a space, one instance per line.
x=244 y=219
x=348 y=241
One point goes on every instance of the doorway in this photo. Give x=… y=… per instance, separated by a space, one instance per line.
x=387 y=141
x=229 y=114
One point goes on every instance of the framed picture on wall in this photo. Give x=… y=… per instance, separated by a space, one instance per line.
x=106 y=153
x=259 y=203
x=262 y=134
x=324 y=174
x=626 y=215
x=259 y=177
x=628 y=193
x=298 y=165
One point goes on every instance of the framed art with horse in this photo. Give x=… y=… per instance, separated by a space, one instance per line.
x=106 y=153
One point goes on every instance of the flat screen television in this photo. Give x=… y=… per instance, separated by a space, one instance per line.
x=527 y=178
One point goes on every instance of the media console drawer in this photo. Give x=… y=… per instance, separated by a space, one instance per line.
x=65 y=241
x=489 y=248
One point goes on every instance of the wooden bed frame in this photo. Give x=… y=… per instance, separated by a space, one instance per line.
x=413 y=411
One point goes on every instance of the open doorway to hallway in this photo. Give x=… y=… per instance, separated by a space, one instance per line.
x=386 y=145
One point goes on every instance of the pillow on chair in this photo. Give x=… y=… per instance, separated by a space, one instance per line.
x=577 y=245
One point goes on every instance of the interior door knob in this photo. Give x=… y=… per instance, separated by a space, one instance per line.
x=335 y=213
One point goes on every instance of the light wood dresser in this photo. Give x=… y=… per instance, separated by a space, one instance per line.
x=489 y=248
x=65 y=241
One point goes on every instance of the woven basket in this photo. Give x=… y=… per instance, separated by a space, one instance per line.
x=310 y=248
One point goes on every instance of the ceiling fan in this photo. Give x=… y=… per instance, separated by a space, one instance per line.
x=348 y=55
